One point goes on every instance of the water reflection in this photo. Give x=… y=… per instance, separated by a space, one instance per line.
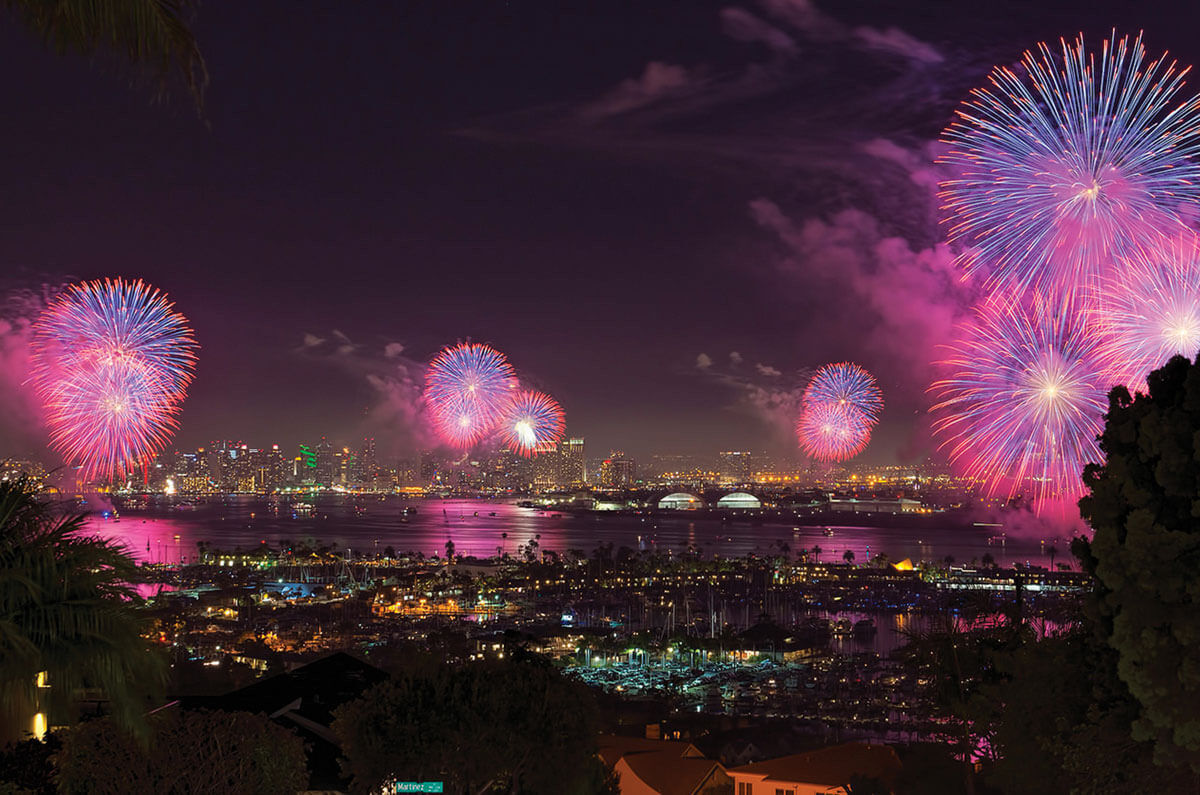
x=163 y=532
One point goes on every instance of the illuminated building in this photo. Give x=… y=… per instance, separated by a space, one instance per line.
x=325 y=464
x=617 y=471
x=573 y=463
x=365 y=466
x=13 y=469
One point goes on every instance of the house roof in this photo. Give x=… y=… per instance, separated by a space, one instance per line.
x=668 y=774
x=833 y=766
x=612 y=747
x=313 y=690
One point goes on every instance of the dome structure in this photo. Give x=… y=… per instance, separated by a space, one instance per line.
x=739 y=499
x=680 y=501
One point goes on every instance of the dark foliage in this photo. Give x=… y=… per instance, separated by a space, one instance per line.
x=495 y=727
x=218 y=753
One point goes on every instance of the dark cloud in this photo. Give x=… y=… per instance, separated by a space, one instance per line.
x=658 y=82
x=740 y=24
x=897 y=42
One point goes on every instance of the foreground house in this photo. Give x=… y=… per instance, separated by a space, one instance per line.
x=828 y=771
x=662 y=767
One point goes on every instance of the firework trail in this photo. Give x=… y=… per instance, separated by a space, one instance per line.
x=1023 y=399
x=1069 y=161
x=467 y=387
x=111 y=363
x=838 y=410
x=1149 y=310
x=532 y=423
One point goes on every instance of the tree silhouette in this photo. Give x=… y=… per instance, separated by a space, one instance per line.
x=1142 y=503
x=513 y=727
x=848 y=556
x=66 y=610
x=152 y=35
x=222 y=753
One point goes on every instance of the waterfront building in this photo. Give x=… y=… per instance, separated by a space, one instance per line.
x=852 y=505
x=680 y=501
x=739 y=499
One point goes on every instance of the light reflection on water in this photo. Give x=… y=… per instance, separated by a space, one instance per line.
x=367 y=525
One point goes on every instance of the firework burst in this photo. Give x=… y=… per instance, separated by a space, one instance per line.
x=1149 y=309
x=112 y=361
x=467 y=388
x=1068 y=161
x=838 y=410
x=532 y=423
x=1023 y=399
x=846 y=384
x=832 y=432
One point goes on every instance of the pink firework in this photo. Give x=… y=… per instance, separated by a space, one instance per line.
x=833 y=431
x=1149 y=309
x=1023 y=399
x=467 y=388
x=532 y=424
x=112 y=361
x=838 y=410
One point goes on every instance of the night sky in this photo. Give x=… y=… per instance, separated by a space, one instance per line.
x=663 y=212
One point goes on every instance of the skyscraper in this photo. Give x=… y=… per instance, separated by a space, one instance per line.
x=573 y=464
x=617 y=471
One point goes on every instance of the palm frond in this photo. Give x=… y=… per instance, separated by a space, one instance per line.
x=152 y=34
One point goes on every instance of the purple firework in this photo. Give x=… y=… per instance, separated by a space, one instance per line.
x=1069 y=160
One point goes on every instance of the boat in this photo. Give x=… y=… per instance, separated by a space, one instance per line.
x=828 y=531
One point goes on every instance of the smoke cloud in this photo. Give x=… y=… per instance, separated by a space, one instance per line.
x=396 y=416
x=21 y=423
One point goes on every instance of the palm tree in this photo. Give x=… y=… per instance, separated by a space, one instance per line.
x=67 y=619
x=153 y=35
x=816 y=551
x=848 y=556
